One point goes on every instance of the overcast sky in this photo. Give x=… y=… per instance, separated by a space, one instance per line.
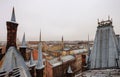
x=74 y=19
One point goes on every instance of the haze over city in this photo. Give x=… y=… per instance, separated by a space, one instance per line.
x=73 y=19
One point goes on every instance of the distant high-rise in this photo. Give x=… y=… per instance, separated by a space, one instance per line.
x=11 y=31
x=105 y=49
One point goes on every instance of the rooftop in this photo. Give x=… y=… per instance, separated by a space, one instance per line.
x=55 y=62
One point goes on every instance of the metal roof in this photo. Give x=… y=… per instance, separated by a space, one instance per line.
x=13 y=16
x=55 y=62
x=13 y=59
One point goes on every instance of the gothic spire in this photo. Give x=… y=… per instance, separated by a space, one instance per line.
x=88 y=42
x=13 y=16
x=62 y=39
x=40 y=35
x=89 y=52
x=62 y=43
x=31 y=59
x=40 y=59
x=24 y=41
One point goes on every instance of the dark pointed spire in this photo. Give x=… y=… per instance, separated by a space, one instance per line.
x=40 y=64
x=88 y=44
x=40 y=35
x=62 y=38
x=89 y=52
x=88 y=38
x=13 y=16
x=31 y=59
x=24 y=41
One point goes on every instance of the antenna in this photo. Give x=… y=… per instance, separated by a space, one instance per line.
x=40 y=36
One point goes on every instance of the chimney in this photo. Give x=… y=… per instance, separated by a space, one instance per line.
x=11 y=31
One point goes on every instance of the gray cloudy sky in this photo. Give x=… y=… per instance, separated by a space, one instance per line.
x=74 y=19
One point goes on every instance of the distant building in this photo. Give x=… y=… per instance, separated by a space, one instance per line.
x=58 y=67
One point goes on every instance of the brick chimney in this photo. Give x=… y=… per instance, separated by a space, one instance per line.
x=11 y=31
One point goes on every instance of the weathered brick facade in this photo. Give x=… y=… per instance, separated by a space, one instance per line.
x=11 y=34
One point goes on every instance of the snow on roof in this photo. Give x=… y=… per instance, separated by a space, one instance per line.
x=55 y=62
x=66 y=49
x=16 y=72
x=79 y=51
x=100 y=73
x=67 y=58
x=12 y=60
x=45 y=54
x=69 y=70
x=13 y=22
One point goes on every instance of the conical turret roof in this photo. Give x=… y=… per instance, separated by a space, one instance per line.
x=32 y=63
x=24 y=41
x=13 y=16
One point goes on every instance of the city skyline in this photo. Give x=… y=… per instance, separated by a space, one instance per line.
x=72 y=19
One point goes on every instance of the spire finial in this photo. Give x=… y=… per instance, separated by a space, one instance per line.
x=40 y=35
x=24 y=41
x=88 y=37
x=40 y=60
x=111 y=19
x=62 y=38
x=13 y=16
x=98 y=20
x=88 y=43
x=108 y=17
